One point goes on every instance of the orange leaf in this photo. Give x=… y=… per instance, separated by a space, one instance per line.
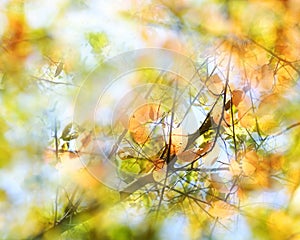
x=237 y=97
x=134 y=124
x=276 y=161
x=147 y=112
x=159 y=164
x=140 y=135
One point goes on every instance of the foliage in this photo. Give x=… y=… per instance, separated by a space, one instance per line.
x=231 y=170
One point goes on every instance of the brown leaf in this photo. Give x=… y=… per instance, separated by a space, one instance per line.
x=188 y=155
x=159 y=164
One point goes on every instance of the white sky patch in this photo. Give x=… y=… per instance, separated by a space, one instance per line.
x=268 y=199
x=237 y=230
x=41 y=13
x=3 y=3
x=112 y=96
x=175 y=228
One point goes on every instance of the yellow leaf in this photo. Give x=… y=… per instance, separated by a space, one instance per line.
x=262 y=178
x=235 y=168
x=245 y=114
x=276 y=161
x=222 y=209
x=248 y=168
x=282 y=225
x=268 y=124
x=250 y=163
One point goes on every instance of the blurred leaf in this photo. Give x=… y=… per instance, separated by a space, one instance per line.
x=97 y=41
x=70 y=132
x=222 y=209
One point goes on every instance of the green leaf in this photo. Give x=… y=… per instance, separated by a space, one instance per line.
x=130 y=166
x=70 y=132
x=97 y=41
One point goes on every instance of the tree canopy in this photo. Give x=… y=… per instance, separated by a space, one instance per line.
x=151 y=119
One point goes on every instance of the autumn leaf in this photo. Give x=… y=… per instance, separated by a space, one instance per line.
x=158 y=164
x=188 y=155
x=140 y=135
x=139 y=122
x=268 y=124
x=215 y=84
x=248 y=168
x=192 y=154
x=250 y=163
x=281 y=225
x=222 y=209
x=235 y=168
x=267 y=77
x=134 y=124
x=179 y=140
x=219 y=183
x=237 y=97
x=147 y=112
x=276 y=161
x=245 y=113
